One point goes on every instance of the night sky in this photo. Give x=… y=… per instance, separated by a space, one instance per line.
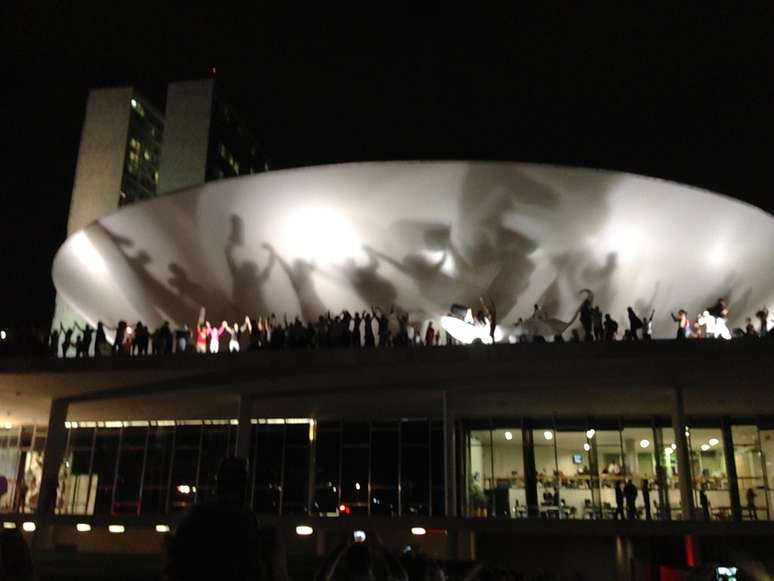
x=684 y=95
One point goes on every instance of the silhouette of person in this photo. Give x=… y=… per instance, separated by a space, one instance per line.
x=141 y=337
x=369 y=340
x=371 y=287
x=101 y=345
x=300 y=275
x=630 y=493
x=248 y=278
x=182 y=339
x=763 y=318
x=53 y=345
x=646 y=498
x=619 y=501
x=598 y=327
x=683 y=324
x=647 y=326
x=85 y=343
x=429 y=335
x=586 y=319
x=635 y=324
x=15 y=556
x=68 y=340
x=490 y=312
x=752 y=510
x=118 y=343
x=217 y=540
x=705 y=506
x=611 y=328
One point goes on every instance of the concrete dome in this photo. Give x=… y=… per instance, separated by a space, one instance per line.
x=420 y=235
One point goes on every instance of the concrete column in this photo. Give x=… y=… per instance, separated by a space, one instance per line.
x=53 y=454
x=683 y=455
x=449 y=457
x=530 y=474
x=733 y=483
x=244 y=428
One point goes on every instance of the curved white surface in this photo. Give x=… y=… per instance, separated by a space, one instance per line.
x=421 y=235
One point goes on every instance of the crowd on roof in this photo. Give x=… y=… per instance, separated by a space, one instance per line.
x=376 y=328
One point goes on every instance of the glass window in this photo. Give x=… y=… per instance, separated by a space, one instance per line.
x=546 y=470
x=480 y=479
x=295 y=488
x=748 y=460
x=606 y=444
x=639 y=468
x=268 y=468
x=214 y=451
x=327 y=450
x=766 y=439
x=130 y=465
x=508 y=493
x=710 y=481
x=155 y=488
x=103 y=469
x=573 y=465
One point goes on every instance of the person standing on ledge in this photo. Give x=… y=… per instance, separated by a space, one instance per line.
x=646 y=498
x=752 y=510
x=611 y=328
x=635 y=324
x=704 y=502
x=683 y=324
x=630 y=492
x=619 y=501
x=491 y=313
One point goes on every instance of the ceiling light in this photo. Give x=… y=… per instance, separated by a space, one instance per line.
x=304 y=530
x=714 y=441
x=587 y=446
x=28 y=526
x=590 y=433
x=548 y=435
x=83 y=527
x=508 y=436
x=116 y=529
x=705 y=447
x=162 y=528
x=418 y=531
x=644 y=443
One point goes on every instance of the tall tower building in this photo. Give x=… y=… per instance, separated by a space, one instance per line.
x=130 y=152
x=204 y=138
x=118 y=163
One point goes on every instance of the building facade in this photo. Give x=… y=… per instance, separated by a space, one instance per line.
x=480 y=446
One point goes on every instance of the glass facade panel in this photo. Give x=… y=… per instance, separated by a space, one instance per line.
x=751 y=481
x=547 y=472
x=710 y=479
x=103 y=474
x=157 y=470
x=639 y=471
x=606 y=444
x=327 y=461
x=752 y=506
x=480 y=479
x=131 y=463
x=509 y=496
x=295 y=489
